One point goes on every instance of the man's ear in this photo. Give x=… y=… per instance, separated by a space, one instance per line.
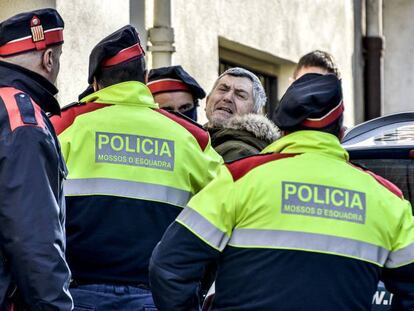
x=146 y=76
x=95 y=85
x=205 y=106
x=48 y=60
x=342 y=132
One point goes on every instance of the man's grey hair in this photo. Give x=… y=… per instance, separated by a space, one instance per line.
x=259 y=95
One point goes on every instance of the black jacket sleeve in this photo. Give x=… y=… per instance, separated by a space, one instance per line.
x=177 y=267
x=400 y=282
x=398 y=273
x=32 y=218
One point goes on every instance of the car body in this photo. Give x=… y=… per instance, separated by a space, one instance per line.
x=385 y=146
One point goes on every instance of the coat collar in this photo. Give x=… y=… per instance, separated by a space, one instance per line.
x=251 y=124
x=309 y=142
x=130 y=93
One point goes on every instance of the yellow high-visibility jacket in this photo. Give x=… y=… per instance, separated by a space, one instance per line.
x=132 y=169
x=295 y=228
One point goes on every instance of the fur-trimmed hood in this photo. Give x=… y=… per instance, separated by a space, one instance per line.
x=243 y=136
x=257 y=124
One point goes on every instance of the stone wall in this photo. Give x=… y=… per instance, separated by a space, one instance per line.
x=398 y=56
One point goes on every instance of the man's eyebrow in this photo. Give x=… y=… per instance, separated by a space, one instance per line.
x=241 y=90
x=223 y=84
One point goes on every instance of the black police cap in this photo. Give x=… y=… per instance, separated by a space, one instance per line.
x=121 y=46
x=171 y=79
x=313 y=101
x=30 y=31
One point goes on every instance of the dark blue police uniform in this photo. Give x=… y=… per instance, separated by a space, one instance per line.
x=33 y=273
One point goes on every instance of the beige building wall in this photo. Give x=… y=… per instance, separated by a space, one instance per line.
x=398 y=56
x=281 y=30
x=12 y=7
x=86 y=23
x=275 y=32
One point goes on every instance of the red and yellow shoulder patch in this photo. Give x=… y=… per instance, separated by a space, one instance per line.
x=200 y=134
x=69 y=114
x=21 y=109
x=241 y=167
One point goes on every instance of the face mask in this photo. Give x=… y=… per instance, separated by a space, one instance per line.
x=192 y=113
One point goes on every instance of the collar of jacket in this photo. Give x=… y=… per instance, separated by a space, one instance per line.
x=251 y=126
x=130 y=93
x=309 y=142
x=36 y=86
x=221 y=136
x=256 y=124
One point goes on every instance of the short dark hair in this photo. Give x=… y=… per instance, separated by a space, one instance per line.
x=133 y=70
x=319 y=59
x=335 y=128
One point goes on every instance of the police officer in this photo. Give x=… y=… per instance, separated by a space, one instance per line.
x=33 y=271
x=132 y=169
x=175 y=90
x=294 y=228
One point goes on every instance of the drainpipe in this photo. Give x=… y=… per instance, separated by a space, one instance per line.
x=161 y=35
x=137 y=19
x=373 y=44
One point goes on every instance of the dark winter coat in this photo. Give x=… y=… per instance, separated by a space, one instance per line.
x=32 y=209
x=243 y=136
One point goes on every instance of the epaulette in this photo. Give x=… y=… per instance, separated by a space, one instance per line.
x=188 y=119
x=383 y=181
x=73 y=104
x=241 y=167
x=21 y=109
x=50 y=115
x=70 y=112
x=200 y=134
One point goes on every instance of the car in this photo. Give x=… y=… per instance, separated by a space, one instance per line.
x=385 y=146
